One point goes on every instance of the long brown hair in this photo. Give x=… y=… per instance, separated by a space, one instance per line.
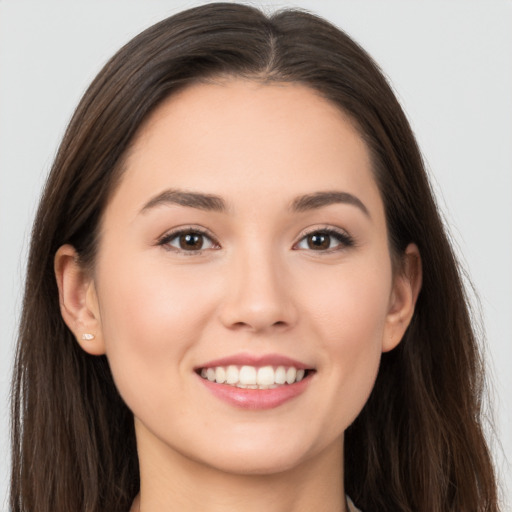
x=417 y=445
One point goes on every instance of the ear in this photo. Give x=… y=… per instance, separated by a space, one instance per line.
x=78 y=300
x=406 y=288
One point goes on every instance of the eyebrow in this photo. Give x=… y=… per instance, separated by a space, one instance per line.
x=210 y=202
x=207 y=202
x=321 y=199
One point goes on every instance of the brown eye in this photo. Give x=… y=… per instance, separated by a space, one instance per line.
x=325 y=240
x=319 y=241
x=191 y=241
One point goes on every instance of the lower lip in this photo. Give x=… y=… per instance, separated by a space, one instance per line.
x=257 y=398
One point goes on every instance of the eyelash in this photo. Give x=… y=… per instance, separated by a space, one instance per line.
x=169 y=237
x=344 y=239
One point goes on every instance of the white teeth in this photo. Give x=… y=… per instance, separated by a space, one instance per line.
x=220 y=375
x=247 y=375
x=280 y=377
x=250 y=377
x=232 y=375
x=291 y=373
x=265 y=376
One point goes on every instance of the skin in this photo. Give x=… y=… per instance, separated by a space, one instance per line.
x=158 y=312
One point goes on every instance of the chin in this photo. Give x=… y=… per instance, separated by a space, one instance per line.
x=267 y=457
x=260 y=464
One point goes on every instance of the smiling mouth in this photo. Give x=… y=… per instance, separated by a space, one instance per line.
x=252 y=377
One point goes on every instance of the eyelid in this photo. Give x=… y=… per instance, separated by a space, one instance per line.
x=344 y=238
x=164 y=239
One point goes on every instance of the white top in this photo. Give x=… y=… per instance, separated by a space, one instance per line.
x=351 y=506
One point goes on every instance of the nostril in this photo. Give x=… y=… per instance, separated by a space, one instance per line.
x=257 y=326
x=241 y=325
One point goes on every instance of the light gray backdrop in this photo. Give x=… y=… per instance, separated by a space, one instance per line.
x=449 y=61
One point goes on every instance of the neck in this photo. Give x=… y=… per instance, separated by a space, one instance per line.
x=172 y=482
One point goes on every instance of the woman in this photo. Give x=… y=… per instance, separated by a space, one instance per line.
x=239 y=291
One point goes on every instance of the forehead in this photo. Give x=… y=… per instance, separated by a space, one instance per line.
x=268 y=140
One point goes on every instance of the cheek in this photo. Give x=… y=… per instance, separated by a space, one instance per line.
x=348 y=314
x=350 y=305
x=148 y=301
x=149 y=321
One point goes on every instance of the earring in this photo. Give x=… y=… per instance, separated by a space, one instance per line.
x=87 y=337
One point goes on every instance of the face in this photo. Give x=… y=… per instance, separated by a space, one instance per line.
x=245 y=242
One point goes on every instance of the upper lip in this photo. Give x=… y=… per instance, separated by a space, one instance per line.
x=257 y=360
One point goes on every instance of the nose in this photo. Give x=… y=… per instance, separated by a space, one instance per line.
x=258 y=295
